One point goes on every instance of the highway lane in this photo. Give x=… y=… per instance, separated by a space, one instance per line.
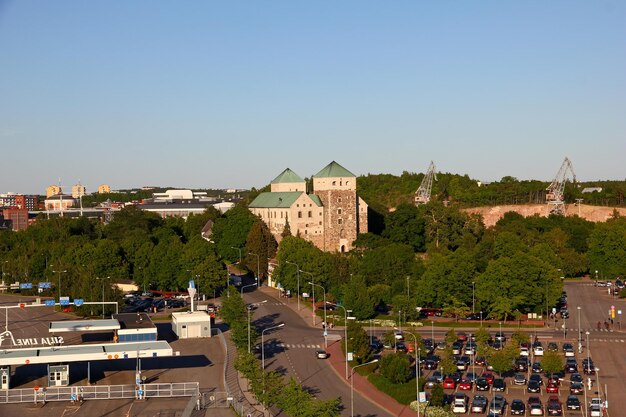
x=291 y=350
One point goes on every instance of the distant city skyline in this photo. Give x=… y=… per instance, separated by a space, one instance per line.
x=225 y=94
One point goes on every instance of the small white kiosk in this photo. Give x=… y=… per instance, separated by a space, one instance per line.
x=191 y=324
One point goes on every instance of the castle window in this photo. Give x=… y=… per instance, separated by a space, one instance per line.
x=338 y=211
x=299 y=214
x=310 y=213
x=340 y=182
x=334 y=182
x=339 y=200
x=347 y=183
x=320 y=223
x=281 y=214
x=306 y=232
x=339 y=221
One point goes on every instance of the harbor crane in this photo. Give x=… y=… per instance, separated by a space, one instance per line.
x=422 y=195
x=554 y=197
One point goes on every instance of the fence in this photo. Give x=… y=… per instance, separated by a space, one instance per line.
x=100 y=392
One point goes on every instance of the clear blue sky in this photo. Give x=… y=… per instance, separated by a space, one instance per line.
x=211 y=94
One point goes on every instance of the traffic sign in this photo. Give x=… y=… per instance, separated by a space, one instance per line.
x=26 y=285
x=78 y=302
x=45 y=285
x=50 y=303
x=64 y=301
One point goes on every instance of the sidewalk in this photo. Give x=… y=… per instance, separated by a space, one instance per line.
x=338 y=363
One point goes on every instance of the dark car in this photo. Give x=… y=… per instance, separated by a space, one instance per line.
x=554 y=407
x=533 y=386
x=536 y=378
x=482 y=384
x=518 y=408
x=521 y=365
x=576 y=388
x=479 y=404
x=499 y=385
x=553 y=347
x=430 y=364
x=571 y=366
x=573 y=403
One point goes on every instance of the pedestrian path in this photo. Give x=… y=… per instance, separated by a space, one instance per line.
x=294 y=345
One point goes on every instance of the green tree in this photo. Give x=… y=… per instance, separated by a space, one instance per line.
x=451 y=336
x=607 y=248
x=518 y=337
x=359 y=343
x=551 y=362
x=231 y=231
x=396 y=367
x=436 y=396
x=260 y=246
x=356 y=298
x=502 y=360
x=406 y=225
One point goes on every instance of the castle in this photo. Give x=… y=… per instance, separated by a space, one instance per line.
x=331 y=216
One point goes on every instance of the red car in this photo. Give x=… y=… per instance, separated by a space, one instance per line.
x=449 y=383
x=489 y=377
x=461 y=336
x=465 y=384
x=552 y=388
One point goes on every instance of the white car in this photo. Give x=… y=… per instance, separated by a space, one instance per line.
x=596 y=401
x=535 y=410
x=595 y=411
x=523 y=351
x=459 y=406
x=538 y=351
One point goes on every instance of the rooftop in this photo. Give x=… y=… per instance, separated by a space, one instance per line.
x=333 y=170
x=282 y=199
x=134 y=321
x=287 y=176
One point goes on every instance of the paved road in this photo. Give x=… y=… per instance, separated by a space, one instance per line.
x=291 y=350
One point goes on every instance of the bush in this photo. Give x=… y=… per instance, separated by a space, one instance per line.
x=395 y=367
x=403 y=393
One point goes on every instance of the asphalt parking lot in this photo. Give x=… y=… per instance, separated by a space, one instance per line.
x=200 y=360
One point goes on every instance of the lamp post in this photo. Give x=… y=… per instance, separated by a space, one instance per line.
x=102 y=279
x=473 y=298
x=580 y=343
x=313 y=305
x=246 y=286
x=417 y=372
x=65 y=270
x=263 y=344
x=432 y=330
x=258 y=268
x=345 y=340
x=325 y=322
x=408 y=292
x=249 y=310
x=352 y=385
x=237 y=249
x=298 y=275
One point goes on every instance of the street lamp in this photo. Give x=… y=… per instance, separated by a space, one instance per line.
x=65 y=270
x=408 y=292
x=580 y=343
x=432 y=330
x=417 y=372
x=298 y=274
x=249 y=310
x=352 y=385
x=325 y=322
x=258 y=268
x=237 y=249
x=263 y=344
x=313 y=305
x=473 y=298
x=345 y=330
x=246 y=286
x=102 y=279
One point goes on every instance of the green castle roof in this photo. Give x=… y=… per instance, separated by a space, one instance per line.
x=287 y=176
x=282 y=199
x=275 y=200
x=334 y=170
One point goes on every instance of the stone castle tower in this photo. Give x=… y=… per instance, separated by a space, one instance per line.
x=345 y=213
